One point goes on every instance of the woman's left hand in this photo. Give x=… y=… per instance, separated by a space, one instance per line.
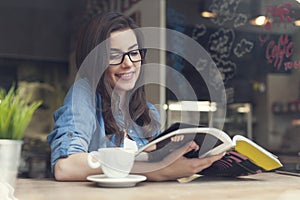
x=180 y=167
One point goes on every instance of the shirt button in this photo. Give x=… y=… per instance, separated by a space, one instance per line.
x=70 y=135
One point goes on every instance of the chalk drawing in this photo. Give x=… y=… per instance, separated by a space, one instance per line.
x=240 y=20
x=283 y=47
x=220 y=42
x=276 y=51
x=225 y=9
x=243 y=47
x=198 y=31
x=226 y=67
x=281 y=12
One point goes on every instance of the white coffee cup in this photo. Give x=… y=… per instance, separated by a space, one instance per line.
x=114 y=162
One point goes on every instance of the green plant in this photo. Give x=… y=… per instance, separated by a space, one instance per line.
x=15 y=113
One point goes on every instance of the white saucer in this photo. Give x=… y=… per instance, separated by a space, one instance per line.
x=128 y=181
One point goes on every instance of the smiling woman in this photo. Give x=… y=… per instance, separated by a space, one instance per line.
x=124 y=68
x=105 y=122
x=111 y=111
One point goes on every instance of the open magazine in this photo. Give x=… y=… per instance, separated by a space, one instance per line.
x=243 y=157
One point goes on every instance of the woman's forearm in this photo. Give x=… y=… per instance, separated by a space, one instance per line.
x=74 y=168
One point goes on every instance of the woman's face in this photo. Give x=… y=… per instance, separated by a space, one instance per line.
x=123 y=76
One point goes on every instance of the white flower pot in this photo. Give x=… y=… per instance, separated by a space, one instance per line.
x=10 y=152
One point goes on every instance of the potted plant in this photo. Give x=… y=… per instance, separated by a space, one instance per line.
x=16 y=112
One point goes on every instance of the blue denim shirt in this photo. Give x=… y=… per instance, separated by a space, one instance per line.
x=79 y=125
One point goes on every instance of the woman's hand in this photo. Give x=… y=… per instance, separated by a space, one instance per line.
x=181 y=167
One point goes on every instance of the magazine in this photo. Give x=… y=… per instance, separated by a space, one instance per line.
x=243 y=157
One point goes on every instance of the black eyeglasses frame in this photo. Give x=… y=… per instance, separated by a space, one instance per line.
x=142 y=51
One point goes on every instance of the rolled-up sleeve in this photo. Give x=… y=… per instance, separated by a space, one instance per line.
x=75 y=122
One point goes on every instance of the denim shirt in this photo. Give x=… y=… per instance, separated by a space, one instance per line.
x=79 y=124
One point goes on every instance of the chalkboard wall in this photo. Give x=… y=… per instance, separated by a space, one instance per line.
x=242 y=52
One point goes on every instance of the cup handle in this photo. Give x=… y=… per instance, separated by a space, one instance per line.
x=92 y=156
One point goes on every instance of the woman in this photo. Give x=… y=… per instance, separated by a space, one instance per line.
x=110 y=111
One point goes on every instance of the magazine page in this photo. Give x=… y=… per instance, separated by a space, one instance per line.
x=211 y=141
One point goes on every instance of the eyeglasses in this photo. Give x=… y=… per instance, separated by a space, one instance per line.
x=135 y=56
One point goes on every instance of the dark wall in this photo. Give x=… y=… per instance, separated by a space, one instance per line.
x=39 y=29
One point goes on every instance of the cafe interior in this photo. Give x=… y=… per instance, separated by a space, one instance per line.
x=254 y=44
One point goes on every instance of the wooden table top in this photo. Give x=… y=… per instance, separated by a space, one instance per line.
x=263 y=186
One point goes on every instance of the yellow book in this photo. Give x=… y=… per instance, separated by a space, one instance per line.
x=256 y=153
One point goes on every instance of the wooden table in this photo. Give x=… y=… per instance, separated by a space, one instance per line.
x=261 y=186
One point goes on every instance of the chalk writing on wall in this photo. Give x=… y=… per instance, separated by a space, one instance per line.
x=225 y=9
x=198 y=31
x=277 y=50
x=222 y=44
x=219 y=45
x=243 y=47
x=240 y=20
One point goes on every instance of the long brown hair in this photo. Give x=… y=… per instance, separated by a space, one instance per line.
x=95 y=32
